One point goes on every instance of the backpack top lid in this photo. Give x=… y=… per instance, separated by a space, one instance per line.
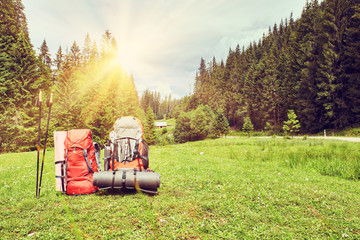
x=127 y=127
x=81 y=138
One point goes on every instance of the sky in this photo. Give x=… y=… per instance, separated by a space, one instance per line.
x=161 y=42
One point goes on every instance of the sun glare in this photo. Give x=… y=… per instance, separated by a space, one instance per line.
x=125 y=58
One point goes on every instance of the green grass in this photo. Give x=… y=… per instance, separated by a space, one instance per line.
x=213 y=189
x=238 y=133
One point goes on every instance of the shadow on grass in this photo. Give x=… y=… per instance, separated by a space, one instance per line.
x=121 y=192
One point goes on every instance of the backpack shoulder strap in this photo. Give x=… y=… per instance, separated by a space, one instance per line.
x=97 y=155
x=136 y=153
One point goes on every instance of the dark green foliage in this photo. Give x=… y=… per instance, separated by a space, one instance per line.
x=182 y=132
x=149 y=127
x=351 y=65
x=221 y=125
x=12 y=19
x=310 y=64
x=194 y=125
x=200 y=125
x=21 y=76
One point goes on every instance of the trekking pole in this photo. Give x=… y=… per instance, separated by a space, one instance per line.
x=38 y=104
x=49 y=104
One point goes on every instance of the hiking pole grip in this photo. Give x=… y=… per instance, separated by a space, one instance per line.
x=39 y=98
x=49 y=103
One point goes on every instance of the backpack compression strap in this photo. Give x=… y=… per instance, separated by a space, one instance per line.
x=87 y=160
x=62 y=174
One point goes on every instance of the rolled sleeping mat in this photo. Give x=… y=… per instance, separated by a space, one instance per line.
x=148 y=182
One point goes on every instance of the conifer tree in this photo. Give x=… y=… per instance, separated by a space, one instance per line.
x=351 y=65
x=106 y=44
x=94 y=54
x=45 y=55
x=292 y=125
x=201 y=83
x=149 y=127
x=59 y=59
x=86 y=52
x=75 y=55
x=248 y=126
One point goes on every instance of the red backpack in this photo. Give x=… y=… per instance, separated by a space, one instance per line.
x=80 y=162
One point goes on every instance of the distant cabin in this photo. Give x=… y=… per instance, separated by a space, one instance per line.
x=160 y=124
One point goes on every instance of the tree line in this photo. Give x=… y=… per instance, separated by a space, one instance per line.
x=162 y=107
x=310 y=65
x=91 y=88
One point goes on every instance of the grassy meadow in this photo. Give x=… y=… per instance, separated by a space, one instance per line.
x=235 y=188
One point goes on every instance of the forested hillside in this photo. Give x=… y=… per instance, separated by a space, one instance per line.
x=310 y=65
x=90 y=87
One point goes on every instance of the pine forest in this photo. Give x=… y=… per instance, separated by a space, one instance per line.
x=311 y=66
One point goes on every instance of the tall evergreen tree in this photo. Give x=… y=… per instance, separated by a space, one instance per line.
x=59 y=58
x=351 y=65
x=201 y=83
x=94 y=54
x=86 y=52
x=149 y=127
x=45 y=55
x=106 y=44
x=75 y=55
x=307 y=49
